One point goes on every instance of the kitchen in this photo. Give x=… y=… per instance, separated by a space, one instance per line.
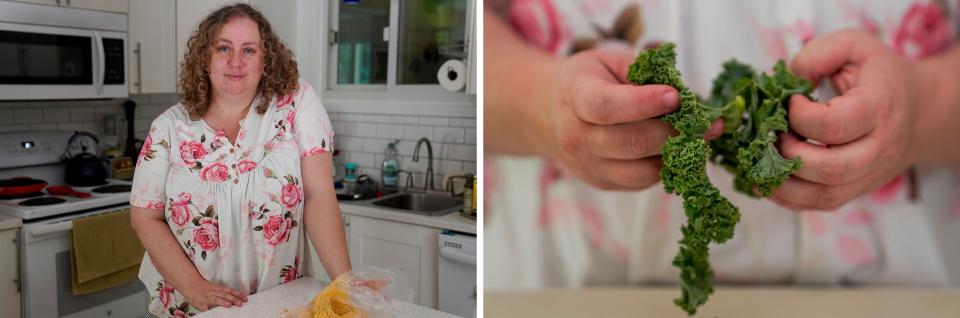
x=375 y=66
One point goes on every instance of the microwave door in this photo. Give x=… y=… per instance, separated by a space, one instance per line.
x=42 y=62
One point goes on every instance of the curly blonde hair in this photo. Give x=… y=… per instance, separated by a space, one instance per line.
x=279 y=68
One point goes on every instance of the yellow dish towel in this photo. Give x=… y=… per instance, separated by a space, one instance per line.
x=105 y=252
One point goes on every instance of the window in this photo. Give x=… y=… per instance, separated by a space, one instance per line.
x=394 y=48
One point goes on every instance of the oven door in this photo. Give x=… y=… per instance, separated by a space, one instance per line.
x=47 y=291
x=43 y=62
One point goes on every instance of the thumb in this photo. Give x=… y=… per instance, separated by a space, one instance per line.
x=825 y=55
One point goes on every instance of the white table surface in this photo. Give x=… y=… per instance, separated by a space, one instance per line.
x=294 y=295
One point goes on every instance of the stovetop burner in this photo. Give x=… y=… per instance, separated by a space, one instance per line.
x=20 y=196
x=116 y=188
x=41 y=201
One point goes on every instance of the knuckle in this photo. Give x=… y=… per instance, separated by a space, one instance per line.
x=834 y=172
x=597 y=110
x=638 y=141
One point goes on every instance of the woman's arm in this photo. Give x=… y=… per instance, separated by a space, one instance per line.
x=321 y=214
x=174 y=265
x=939 y=110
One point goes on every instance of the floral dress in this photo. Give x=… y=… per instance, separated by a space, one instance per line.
x=546 y=228
x=236 y=209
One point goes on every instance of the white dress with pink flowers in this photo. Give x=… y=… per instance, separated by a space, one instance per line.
x=547 y=228
x=236 y=209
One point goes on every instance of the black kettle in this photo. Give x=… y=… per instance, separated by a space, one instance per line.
x=83 y=169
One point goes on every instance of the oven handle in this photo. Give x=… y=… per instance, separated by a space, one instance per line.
x=101 y=59
x=52 y=228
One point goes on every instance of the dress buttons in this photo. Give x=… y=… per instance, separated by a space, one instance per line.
x=235 y=181
x=231 y=150
x=233 y=166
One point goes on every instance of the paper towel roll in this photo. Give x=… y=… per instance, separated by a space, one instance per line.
x=452 y=75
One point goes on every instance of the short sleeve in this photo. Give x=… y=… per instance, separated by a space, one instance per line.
x=311 y=128
x=153 y=164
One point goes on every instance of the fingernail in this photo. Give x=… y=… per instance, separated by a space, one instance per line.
x=671 y=99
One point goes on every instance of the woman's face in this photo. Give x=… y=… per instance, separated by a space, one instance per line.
x=237 y=62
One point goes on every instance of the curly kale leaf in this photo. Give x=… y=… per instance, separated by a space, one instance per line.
x=747 y=146
x=710 y=217
x=753 y=107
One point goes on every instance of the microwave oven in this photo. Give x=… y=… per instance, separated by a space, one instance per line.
x=49 y=52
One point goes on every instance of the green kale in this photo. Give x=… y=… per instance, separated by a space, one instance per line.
x=753 y=109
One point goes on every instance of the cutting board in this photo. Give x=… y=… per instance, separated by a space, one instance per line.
x=297 y=294
x=726 y=302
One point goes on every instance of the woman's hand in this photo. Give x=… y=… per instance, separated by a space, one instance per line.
x=204 y=295
x=578 y=110
x=866 y=133
x=604 y=130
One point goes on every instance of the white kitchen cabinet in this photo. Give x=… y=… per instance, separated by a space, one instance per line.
x=314 y=268
x=410 y=248
x=189 y=15
x=119 y=6
x=9 y=275
x=151 y=41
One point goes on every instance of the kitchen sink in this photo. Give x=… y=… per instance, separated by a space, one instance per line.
x=420 y=203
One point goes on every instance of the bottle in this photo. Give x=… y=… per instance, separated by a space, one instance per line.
x=473 y=207
x=391 y=166
x=350 y=174
x=468 y=195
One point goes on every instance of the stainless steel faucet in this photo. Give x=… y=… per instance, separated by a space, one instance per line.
x=428 y=182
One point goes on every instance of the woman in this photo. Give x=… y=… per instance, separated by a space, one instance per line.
x=222 y=192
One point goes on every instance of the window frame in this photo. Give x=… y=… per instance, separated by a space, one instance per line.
x=392 y=93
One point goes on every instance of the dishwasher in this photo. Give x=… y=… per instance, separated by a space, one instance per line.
x=457 y=273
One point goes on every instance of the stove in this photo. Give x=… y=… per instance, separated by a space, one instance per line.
x=44 y=241
x=38 y=155
x=62 y=204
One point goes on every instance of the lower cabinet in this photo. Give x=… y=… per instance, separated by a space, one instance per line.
x=9 y=284
x=412 y=249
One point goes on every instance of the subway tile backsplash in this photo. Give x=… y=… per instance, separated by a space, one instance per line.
x=361 y=138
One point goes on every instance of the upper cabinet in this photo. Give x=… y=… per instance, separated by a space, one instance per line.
x=151 y=41
x=101 y=5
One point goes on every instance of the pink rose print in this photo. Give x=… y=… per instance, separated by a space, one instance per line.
x=923 y=31
x=283 y=101
x=155 y=205
x=185 y=197
x=207 y=234
x=289 y=273
x=313 y=152
x=541 y=24
x=290 y=117
x=216 y=172
x=164 y=293
x=277 y=229
x=890 y=191
x=180 y=213
x=146 y=150
x=854 y=250
x=180 y=314
x=246 y=165
x=221 y=133
x=290 y=196
x=191 y=151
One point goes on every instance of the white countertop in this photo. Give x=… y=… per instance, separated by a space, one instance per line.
x=9 y=222
x=453 y=221
x=296 y=295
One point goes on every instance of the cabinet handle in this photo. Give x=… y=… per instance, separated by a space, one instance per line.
x=139 y=83
x=17 y=280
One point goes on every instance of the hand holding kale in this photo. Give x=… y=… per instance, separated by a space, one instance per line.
x=753 y=109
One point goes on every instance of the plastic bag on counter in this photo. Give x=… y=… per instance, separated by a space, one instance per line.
x=364 y=292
